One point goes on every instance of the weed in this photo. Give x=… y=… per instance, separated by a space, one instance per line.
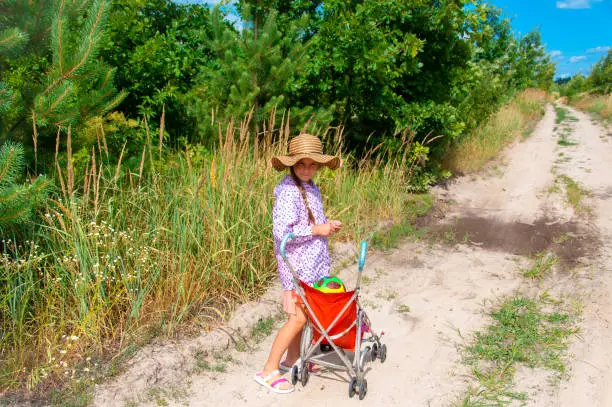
x=542 y=265
x=574 y=194
x=449 y=235
x=561 y=114
x=261 y=330
x=565 y=142
x=217 y=364
x=389 y=238
x=561 y=239
x=403 y=309
x=159 y=395
x=521 y=333
x=388 y=296
x=77 y=394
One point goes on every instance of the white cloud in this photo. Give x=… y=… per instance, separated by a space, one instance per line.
x=556 y=54
x=573 y=60
x=576 y=4
x=598 y=49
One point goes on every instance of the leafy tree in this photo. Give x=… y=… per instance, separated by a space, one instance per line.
x=159 y=47
x=482 y=85
x=530 y=65
x=50 y=73
x=600 y=78
x=577 y=84
x=387 y=64
x=17 y=201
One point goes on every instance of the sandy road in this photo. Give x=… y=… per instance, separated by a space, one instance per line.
x=430 y=297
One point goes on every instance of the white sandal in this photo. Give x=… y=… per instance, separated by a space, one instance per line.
x=273 y=386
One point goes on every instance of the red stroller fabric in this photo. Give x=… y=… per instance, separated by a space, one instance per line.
x=326 y=307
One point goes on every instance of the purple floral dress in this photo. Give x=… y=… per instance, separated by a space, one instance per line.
x=307 y=254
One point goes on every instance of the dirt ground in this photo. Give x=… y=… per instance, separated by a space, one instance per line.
x=430 y=295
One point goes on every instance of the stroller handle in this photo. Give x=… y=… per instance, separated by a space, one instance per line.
x=362 y=254
x=284 y=242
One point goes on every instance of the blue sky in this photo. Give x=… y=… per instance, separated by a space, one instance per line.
x=576 y=33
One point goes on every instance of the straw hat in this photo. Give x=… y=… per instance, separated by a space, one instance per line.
x=305 y=146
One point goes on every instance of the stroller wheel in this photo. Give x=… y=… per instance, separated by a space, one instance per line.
x=363 y=389
x=294 y=375
x=383 y=353
x=304 y=374
x=374 y=351
x=352 y=386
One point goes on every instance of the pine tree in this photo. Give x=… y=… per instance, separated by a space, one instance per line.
x=18 y=201
x=253 y=70
x=50 y=73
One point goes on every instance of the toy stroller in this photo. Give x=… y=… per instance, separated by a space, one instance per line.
x=336 y=320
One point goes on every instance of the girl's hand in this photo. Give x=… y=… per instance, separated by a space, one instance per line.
x=323 y=229
x=326 y=229
x=336 y=225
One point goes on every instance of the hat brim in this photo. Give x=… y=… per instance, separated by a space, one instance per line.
x=283 y=162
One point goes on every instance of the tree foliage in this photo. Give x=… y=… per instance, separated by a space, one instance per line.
x=50 y=73
x=159 y=47
x=437 y=68
x=600 y=78
x=253 y=70
x=18 y=201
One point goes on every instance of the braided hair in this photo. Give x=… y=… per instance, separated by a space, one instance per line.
x=298 y=183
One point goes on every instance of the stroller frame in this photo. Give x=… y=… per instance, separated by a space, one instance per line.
x=308 y=349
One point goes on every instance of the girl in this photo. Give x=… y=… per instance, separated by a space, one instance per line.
x=298 y=208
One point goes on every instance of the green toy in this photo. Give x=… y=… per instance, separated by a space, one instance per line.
x=330 y=285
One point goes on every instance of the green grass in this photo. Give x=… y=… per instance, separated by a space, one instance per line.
x=261 y=330
x=386 y=239
x=78 y=394
x=217 y=362
x=541 y=266
x=565 y=142
x=523 y=331
x=574 y=194
x=561 y=114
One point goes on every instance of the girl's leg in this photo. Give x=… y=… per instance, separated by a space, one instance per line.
x=282 y=341
x=293 y=351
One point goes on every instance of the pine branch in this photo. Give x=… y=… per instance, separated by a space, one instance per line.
x=13 y=215
x=11 y=162
x=12 y=40
x=87 y=50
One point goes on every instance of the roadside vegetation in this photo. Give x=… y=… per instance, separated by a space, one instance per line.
x=599 y=105
x=591 y=93
x=526 y=330
x=533 y=332
x=479 y=146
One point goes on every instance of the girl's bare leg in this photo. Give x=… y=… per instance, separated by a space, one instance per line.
x=285 y=336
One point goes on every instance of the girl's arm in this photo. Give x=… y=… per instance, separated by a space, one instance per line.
x=285 y=217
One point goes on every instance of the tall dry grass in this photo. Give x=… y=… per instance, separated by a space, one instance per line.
x=472 y=151
x=126 y=255
x=601 y=105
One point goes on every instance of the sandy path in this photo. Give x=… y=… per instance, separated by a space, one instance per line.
x=429 y=299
